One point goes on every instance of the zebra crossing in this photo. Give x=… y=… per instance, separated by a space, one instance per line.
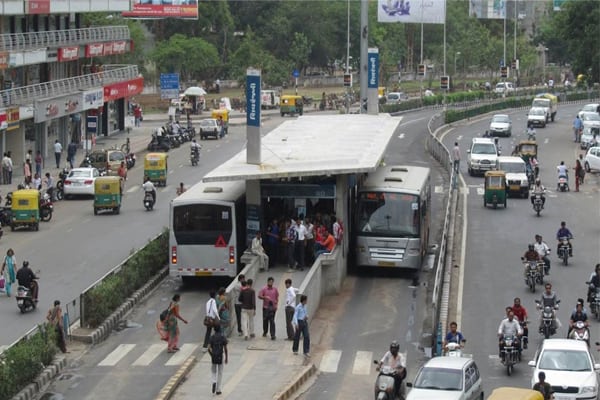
x=126 y=352
x=362 y=364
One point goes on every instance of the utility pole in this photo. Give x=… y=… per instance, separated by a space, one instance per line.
x=364 y=50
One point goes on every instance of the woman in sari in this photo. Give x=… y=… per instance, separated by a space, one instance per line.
x=168 y=329
x=9 y=270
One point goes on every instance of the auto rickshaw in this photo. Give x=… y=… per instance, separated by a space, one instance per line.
x=108 y=191
x=155 y=167
x=495 y=188
x=526 y=149
x=222 y=115
x=25 y=209
x=291 y=104
x=513 y=393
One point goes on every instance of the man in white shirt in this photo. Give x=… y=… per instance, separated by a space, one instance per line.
x=543 y=250
x=290 y=307
x=338 y=230
x=562 y=171
x=258 y=250
x=310 y=241
x=300 y=243
x=57 y=152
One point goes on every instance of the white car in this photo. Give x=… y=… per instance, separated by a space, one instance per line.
x=516 y=175
x=592 y=159
x=395 y=97
x=589 y=137
x=537 y=117
x=592 y=107
x=482 y=156
x=80 y=181
x=504 y=87
x=590 y=119
x=447 y=378
x=569 y=367
x=501 y=125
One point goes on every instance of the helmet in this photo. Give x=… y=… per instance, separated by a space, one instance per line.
x=531 y=247
x=394 y=346
x=25 y=263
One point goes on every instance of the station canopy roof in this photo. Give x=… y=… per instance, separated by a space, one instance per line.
x=314 y=146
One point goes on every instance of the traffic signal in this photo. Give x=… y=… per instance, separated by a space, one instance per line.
x=503 y=72
x=421 y=70
x=445 y=82
x=347 y=80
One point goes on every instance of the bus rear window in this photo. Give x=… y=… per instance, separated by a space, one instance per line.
x=202 y=223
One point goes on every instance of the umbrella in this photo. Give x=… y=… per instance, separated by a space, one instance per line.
x=194 y=91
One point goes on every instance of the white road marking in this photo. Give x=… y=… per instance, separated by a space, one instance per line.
x=464 y=190
x=459 y=137
x=412 y=121
x=546 y=141
x=439 y=189
x=117 y=354
x=330 y=361
x=401 y=136
x=480 y=191
x=150 y=354
x=133 y=189
x=182 y=355
x=461 y=265
x=171 y=171
x=362 y=363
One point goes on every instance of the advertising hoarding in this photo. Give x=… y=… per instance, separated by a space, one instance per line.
x=415 y=11
x=163 y=9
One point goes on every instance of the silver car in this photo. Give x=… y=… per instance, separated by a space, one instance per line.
x=501 y=125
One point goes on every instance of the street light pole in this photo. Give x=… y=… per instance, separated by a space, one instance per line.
x=348 y=60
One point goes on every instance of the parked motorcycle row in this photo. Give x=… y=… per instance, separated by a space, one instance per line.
x=168 y=137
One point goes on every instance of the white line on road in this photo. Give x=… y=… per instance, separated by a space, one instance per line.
x=362 y=363
x=480 y=191
x=133 y=189
x=461 y=266
x=330 y=361
x=459 y=137
x=401 y=136
x=150 y=354
x=117 y=354
x=546 y=141
x=412 y=121
x=439 y=189
x=182 y=355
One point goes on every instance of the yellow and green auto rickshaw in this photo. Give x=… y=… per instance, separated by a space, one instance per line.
x=155 y=167
x=291 y=104
x=495 y=188
x=25 y=209
x=513 y=393
x=108 y=191
x=526 y=149
x=221 y=115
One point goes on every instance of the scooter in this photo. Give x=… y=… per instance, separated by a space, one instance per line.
x=148 y=201
x=538 y=205
x=563 y=184
x=384 y=385
x=454 y=349
x=130 y=160
x=46 y=207
x=195 y=156
x=580 y=332
x=25 y=301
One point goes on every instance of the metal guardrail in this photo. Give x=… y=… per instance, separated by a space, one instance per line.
x=26 y=95
x=65 y=37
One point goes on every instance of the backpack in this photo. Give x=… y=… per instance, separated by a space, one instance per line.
x=217 y=344
x=163 y=315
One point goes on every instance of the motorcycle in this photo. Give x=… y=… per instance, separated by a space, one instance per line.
x=563 y=184
x=510 y=353
x=148 y=201
x=537 y=203
x=385 y=384
x=60 y=184
x=454 y=349
x=46 y=207
x=195 y=156
x=533 y=274
x=564 y=250
x=159 y=143
x=5 y=216
x=548 y=327
x=580 y=332
x=130 y=160
x=25 y=300
x=595 y=300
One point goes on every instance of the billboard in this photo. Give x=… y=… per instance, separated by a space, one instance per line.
x=163 y=9
x=415 y=11
x=487 y=9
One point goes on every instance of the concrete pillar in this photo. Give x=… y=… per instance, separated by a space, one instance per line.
x=253 y=134
x=342 y=208
x=253 y=210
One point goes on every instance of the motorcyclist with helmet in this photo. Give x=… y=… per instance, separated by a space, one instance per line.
x=395 y=360
x=521 y=314
x=509 y=327
x=26 y=278
x=564 y=232
x=538 y=189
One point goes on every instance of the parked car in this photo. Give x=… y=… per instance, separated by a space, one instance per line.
x=447 y=378
x=482 y=156
x=80 y=181
x=104 y=160
x=537 y=117
x=592 y=159
x=504 y=87
x=210 y=127
x=569 y=367
x=592 y=107
x=590 y=119
x=589 y=137
x=501 y=125
x=396 y=97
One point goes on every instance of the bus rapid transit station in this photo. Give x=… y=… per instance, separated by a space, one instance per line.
x=311 y=165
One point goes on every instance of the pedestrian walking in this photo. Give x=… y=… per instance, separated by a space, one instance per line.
x=57 y=152
x=291 y=237
x=211 y=318
x=578 y=168
x=217 y=348
x=38 y=163
x=55 y=319
x=270 y=297
x=71 y=152
x=338 y=230
x=300 y=322
x=577 y=128
x=9 y=271
x=290 y=307
x=27 y=172
x=237 y=304
x=543 y=387
x=248 y=300
x=456 y=158
x=7 y=168
x=168 y=328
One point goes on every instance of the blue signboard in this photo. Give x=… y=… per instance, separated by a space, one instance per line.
x=91 y=124
x=169 y=86
x=295 y=73
x=253 y=97
x=373 y=68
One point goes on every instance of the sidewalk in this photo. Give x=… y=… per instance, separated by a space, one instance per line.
x=259 y=368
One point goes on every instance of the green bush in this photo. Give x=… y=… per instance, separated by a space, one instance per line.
x=21 y=364
x=105 y=298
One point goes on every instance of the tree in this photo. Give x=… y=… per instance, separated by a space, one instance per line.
x=300 y=51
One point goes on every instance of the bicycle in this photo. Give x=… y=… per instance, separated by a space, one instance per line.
x=126 y=147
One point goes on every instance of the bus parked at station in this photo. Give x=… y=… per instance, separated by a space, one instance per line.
x=207 y=230
x=392 y=218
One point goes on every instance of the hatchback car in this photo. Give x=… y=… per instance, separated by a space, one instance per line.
x=104 y=160
x=482 y=156
x=447 y=378
x=590 y=119
x=210 y=127
x=592 y=107
x=80 y=181
x=537 y=117
x=501 y=125
x=592 y=159
x=569 y=367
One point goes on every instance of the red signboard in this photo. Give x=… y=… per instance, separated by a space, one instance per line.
x=4 y=56
x=139 y=10
x=68 y=53
x=119 y=47
x=38 y=7
x=123 y=89
x=107 y=49
x=94 y=50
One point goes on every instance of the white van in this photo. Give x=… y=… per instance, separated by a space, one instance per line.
x=516 y=175
x=269 y=99
x=504 y=87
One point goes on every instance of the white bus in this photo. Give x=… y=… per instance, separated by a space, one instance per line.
x=392 y=217
x=207 y=230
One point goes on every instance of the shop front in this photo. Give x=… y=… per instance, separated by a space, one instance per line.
x=115 y=107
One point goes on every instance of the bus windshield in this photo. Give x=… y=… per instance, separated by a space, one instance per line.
x=388 y=214
x=202 y=223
